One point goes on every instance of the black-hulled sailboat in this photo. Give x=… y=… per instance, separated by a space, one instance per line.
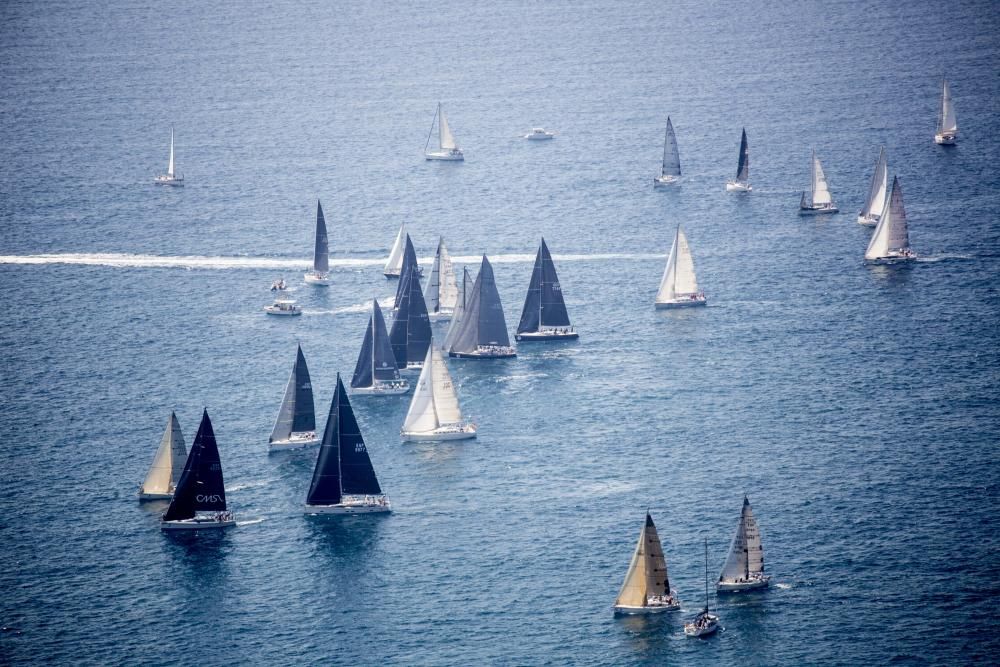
x=320 y=274
x=482 y=333
x=344 y=480
x=295 y=425
x=544 y=316
x=376 y=371
x=409 y=261
x=410 y=335
x=200 y=497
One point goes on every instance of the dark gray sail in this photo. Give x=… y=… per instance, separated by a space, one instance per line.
x=743 y=171
x=321 y=252
x=201 y=487
x=464 y=290
x=531 y=314
x=304 y=417
x=376 y=361
x=671 y=156
x=409 y=260
x=363 y=376
x=483 y=322
x=544 y=305
x=410 y=335
x=325 y=488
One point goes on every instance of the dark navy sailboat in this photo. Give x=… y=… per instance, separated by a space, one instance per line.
x=409 y=261
x=200 y=497
x=482 y=333
x=410 y=335
x=376 y=371
x=320 y=274
x=295 y=425
x=544 y=316
x=344 y=480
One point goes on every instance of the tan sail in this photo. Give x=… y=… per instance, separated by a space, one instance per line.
x=633 y=592
x=168 y=463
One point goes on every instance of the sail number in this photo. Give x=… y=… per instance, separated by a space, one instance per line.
x=215 y=498
x=359 y=447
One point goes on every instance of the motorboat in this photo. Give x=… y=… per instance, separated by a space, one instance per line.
x=279 y=285
x=283 y=305
x=539 y=134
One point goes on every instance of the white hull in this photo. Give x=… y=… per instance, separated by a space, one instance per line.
x=447 y=156
x=464 y=432
x=539 y=137
x=868 y=220
x=683 y=302
x=294 y=442
x=321 y=279
x=691 y=631
x=391 y=274
x=664 y=180
x=440 y=316
x=222 y=520
x=649 y=609
x=165 y=179
x=353 y=506
x=740 y=586
x=283 y=312
x=383 y=389
x=155 y=496
x=546 y=335
x=413 y=366
x=486 y=353
x=944 y=139
x=892 y=259
x=819 y=210
x=735 y=186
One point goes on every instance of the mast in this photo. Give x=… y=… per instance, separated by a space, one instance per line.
x=431 y=131
x=321 y=251
x=706 y=575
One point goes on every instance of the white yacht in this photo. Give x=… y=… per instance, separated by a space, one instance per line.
x=670 y=168
x=447 y=150
x=742 y=181
x=539 y=134
x=646 y=589
x=947 y=125
x=434 y=412
x=877 y=191
x=819 y=199
x=679 y=286
x=320 y=274
x=284 y=306
x=744 y=569
x=890 y=242
x=170 y=178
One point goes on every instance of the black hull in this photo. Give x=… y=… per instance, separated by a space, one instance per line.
x=466 y=355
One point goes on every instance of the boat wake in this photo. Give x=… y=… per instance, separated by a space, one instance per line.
x=247 y=485
x=783 y=587
x=941 y=258
x=356 y=308
x=250 y=522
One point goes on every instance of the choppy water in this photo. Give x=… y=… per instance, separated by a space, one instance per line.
x=857 y=406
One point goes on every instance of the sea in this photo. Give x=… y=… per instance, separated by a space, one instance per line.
x=858 y=407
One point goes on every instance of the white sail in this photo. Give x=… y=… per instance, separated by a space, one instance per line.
x=446 y=139
x=170 y=164
x=879 y=186
x=168 y=462
x=442 y=291
x=421 y=417
x=446 y=406
x=892 y=231
x=395 y=262
x=947 y=123
x=678 y=276
x=634 y=590
x=458 y=313
x=746 y=555
x=820 y=190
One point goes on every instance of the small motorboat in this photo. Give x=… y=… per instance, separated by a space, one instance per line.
x=283 y=306
x=539 y=134
x=278 y=285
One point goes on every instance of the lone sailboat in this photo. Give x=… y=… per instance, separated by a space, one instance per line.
x=544 y=316
x=394 y=265
x=170 y=178
x=744 y=569
x=344 y=480
x=819 y=199
x=447 y=148
x=483 y=331
x=670 y=170
x=376 y=371
x=704 y=623
x=410 y=335
x=295 y=425
x=679 y=286
x=434 y=413
x=877 y=191
x=409 y=262
x=456 y=317
x=947 y=125
x=646 y=589
x=742 y=181
x=200 y=497
x=890 y=242
x=320 y=274
x=442 y=291
x=165 y=472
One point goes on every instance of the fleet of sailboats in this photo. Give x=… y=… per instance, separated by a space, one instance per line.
x=199 y=500
x=376 y=371
x=947 y=125
x=679 y=286
x=742 y=181
x=442 y=290
x=744 y=568
x=890 y=242
x=670 y=169
x=320 y=274
x=168 y=462
x=295 y=425
x=544 y=315
x=818 y=199
x=170 y=178
x=434 y=412
x=410 y=335
x=646 y=589
x=877 y=191
x=482 y=333
x=447 y=149
x=344 y=480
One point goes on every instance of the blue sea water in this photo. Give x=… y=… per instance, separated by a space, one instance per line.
x=858 y=406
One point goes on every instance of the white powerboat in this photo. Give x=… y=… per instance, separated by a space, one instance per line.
x=447 y=150
x=819 y=199
x=679 y=286
x=170 y=178
x=742 y=181
x=670 y=168
x=539 y=134
x=744 y=568
x=434 y=412
x=947 y=125
x=284 y=305
x=646 y=589
x=279 y=285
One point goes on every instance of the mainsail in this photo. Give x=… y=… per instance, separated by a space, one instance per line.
x=947 y=123
x=743 y=170
x=409 y=260
x=376 y=360
x=678 y=276
x=483 y=321
x=671 y=157
x=459 y=314
x=446 y=138
x=746 y=555
x=442 y=292
x=891 y=233
x=411 y=329
x=435 y=402
x=647 y=572
x=168 y=463
x=201 y=487
x=394 y=264
x=321 y=252
x=297 y=413
x=820 y=190
x=878 y=189
x=544 y=306
x=170 y=163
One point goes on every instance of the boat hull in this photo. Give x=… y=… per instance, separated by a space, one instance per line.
x=351 y=507
x=154 y=496
x=391 y=275
x=868 y=220
x=660 y=181
x=894 y=259
x=685 y=303
x=482 y=355
x=819 y=210
x=538 y=137
x=169 y=180
x=320 y=279
x=382 y=390
x=944 y=139
x=542 y=336
x=625 y=610
x=445 y=156
x=465 y=433
x=734 y=186
x=711 y=629
x=741 y=586
x=292 y=443
x=199 y=523
x=282 y=312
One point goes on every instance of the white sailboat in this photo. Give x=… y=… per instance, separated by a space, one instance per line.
x=447 y=150
x=170 y=178
x=320 y=274
x=744 y=569
x=877 y=191
x=670 y=169
x=442 y=290
x=394 y=265
x=167 y=465
x=947 y=126
x=819 y=199
x=679 y=286
x=295 y=425
x=705 y=623
x=434 y=412
x=890 y=242
x=742 y=181
x=646 y=589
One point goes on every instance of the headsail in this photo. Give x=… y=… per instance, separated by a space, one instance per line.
x=671 y=156
x=947 y=122
x=411 y=329
x=297 y=413
x=442 y=292
x=394 y=264
x=878 y=188
x=892 y=232
x=483 y=322
x=459 y=314
x=820 y=189
x=446 y=138
x=743 y=170
x=409 y=260
x=678 y=276
x=168 y=463
x=321 y=252
x=746 y=555
x=647 y=572
x=325 y=488
x=201 y=487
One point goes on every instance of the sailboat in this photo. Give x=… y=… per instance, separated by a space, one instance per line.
x=434 y=413
x=483 y=331
x=742 y=181
x=170 y=178
x=409 y=262
x=344 y=480
x=890 y=242
x=295 y=425
x=456 y=317
x=376 y=371
x=199 y=500
x=877 y=191
x=705 y=623
x=947 y=125
x=819 y=199
x=165 y=471
x=394 y=265
x=411 y=328
x=679 y=286
x=646 y=589
x=320 y=274
x=544 y=316
x=442 y=291
x=670 y=170
x=744 y=569
x=447 y=148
